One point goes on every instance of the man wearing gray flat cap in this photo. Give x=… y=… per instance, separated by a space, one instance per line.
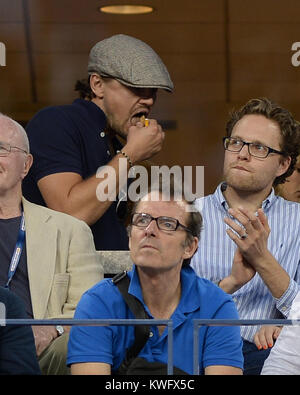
x=71 y=144
x=130 y=61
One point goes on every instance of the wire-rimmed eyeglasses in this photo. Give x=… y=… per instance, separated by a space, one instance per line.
x=142 y=220
x=6 y=149
x=255 y=149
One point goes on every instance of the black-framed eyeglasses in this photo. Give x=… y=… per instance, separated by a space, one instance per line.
x=6 y=149
x=142 y=220
x=255 y=149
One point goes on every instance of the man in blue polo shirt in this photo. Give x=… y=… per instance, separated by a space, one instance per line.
x=70 y=143
x=163 y=236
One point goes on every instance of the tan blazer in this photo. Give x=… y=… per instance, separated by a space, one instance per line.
x=61 y=259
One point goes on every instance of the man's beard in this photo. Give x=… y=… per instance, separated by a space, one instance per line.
x=114 y=129
x=244 y=184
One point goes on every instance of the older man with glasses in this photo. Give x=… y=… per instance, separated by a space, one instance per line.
x=251 y=239
x=163 y=236
x=48 y=259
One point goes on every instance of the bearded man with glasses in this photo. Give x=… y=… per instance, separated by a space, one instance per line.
x=251 y=239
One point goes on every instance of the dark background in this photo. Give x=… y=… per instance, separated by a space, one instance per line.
x=220 y=53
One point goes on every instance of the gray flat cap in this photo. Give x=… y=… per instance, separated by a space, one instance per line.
x=130 y=61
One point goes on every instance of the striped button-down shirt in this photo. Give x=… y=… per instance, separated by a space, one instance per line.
x=214 y=257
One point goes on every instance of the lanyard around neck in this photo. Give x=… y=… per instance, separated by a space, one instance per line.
x=17 y=252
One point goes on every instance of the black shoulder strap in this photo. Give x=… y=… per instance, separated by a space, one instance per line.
x=121 y=280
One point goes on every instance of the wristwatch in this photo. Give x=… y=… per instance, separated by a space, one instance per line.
x=60 y=329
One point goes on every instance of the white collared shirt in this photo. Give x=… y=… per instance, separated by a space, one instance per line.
x=214 y=257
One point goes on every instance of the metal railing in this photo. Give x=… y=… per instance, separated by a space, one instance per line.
x=223 y=322
x=102 y=322
x=168 y=323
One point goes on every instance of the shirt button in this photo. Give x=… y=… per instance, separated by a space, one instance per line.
x=151 y=334
x=283 y=308
x=102 y=134
x=108 y=153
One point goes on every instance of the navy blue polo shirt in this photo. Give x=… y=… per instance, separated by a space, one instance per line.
x=9 y=230
x=72 y=138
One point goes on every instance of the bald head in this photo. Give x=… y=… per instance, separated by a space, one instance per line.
x=14 y=132
x=15 y=160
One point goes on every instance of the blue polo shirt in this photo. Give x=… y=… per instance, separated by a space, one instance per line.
x=200 y=299
x=72 y=138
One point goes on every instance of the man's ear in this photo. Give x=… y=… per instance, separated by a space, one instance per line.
x=27 y=165
x=284 y=165
x=190 y=248
x=96 y=84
